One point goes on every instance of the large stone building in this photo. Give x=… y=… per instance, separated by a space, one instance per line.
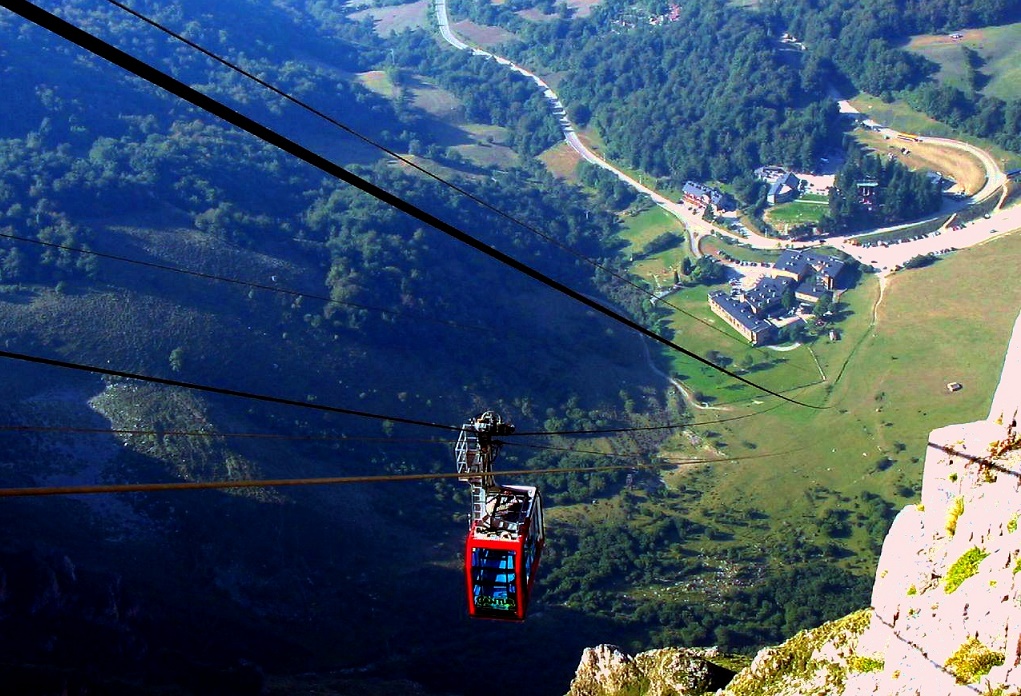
x=803 y=276
x=740 y=316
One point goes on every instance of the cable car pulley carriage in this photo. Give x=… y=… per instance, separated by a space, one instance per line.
x=505 y=530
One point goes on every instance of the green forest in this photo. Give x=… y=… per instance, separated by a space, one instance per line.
x=899 y=195
x=860 y=43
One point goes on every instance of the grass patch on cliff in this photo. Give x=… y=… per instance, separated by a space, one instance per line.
x=963 y=568
x=954 y=513
x=857 y=663
x=972 y=661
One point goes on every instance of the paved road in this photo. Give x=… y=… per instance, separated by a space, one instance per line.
x=884 y=258
x=696 y=226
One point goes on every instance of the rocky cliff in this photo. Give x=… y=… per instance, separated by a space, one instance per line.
x=945 y=618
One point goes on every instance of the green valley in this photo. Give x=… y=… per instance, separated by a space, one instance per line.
x=141 y=235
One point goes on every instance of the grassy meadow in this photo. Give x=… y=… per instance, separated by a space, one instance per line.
x=901 y=117
x=997 y=46
x=711 y=245
x=797 y=213
x=867 y=427
x=962 y=167
x=656 y=269
x=394 y=19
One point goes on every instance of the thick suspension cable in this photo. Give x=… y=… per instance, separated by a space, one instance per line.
x=94 y=489
x=52 y=362
x=408 y=162
x=94 y=45
x=74 y=430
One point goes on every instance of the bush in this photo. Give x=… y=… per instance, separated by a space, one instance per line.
x=920 y=261
x=665 y=241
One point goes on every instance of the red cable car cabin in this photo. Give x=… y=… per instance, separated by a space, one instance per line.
x=502 y=553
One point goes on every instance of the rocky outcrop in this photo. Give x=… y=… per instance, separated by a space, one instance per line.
x=946 y=612
x=812 y=662
x=946 y=605
x=607 y=671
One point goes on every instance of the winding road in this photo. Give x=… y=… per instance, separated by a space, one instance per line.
x=696 y=226
x=884 y=258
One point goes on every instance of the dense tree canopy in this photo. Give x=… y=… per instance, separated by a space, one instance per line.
x=709 y=95
x=862 y=41
x=898 y=195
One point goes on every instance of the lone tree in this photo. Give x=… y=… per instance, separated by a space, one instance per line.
x=177 y=359
x=823 y=305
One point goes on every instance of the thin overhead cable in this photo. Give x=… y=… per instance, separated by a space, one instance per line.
x=572 y=450
x=640 y=428
x=92 y=489
x=52 y=362
x=404 y=160
x=233 y=281
x=213 y=434
x=160 y=79
x=63 y=430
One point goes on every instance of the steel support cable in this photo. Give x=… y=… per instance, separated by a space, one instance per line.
x=223 y=391
x=114 y=55
x=233 y=281
x=93 y=489
x=211 y=435
x=60 y=430
x=572 y=450
x=274 y=436
x=354 y=438
x=640 y=428
x=404 y=160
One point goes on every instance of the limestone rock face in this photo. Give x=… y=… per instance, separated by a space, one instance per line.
x=608 y=671
x=946 y=605
x=812 y=662
x=947 y=617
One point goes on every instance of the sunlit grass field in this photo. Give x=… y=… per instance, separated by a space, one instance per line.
x=865 y=426
x=797 y=213
x=901 y=117
x=998 y=48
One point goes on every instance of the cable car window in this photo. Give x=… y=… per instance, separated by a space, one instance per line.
x=529 y=557
x=494 y=580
